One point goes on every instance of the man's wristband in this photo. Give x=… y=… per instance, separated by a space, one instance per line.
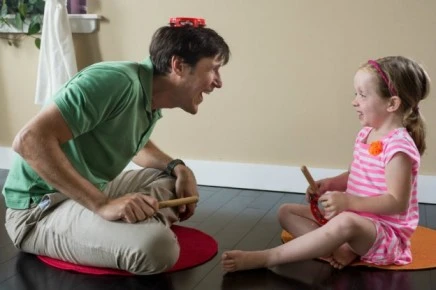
x=170 y=167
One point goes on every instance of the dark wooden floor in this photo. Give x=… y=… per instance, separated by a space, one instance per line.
x=242 y=219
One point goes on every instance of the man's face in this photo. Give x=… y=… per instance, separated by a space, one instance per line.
x=199 y=80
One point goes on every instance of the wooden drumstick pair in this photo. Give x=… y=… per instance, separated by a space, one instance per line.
x=178 y=201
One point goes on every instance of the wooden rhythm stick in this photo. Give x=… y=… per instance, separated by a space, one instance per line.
x=313 y=197
x=178 y=201
x=309 y=178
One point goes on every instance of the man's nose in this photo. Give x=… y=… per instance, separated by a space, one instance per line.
x=218 y=83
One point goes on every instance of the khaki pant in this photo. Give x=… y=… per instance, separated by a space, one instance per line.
x=61 y=228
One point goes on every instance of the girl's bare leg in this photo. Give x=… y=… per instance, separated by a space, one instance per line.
x=342 y=256
x=357 y=231
x=298 y=220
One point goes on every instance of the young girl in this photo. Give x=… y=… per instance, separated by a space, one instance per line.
x=373 y=208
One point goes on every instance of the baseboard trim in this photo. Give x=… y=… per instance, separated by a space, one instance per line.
x=6 y=156
x=258 y=176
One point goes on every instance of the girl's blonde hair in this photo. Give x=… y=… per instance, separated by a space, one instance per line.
x=411 y=83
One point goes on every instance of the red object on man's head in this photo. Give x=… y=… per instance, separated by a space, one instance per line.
x=187 y=21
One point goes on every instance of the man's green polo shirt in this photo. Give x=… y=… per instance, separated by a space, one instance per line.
x=107 y=107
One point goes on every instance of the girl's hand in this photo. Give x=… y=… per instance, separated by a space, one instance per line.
x=334 y=203
x=322 y=185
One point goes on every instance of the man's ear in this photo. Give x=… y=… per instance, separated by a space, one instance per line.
x=177 y=64
x=394 y=103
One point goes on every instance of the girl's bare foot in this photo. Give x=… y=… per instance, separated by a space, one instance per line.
x=327 y=258
x=236 y=260
x=342 y=257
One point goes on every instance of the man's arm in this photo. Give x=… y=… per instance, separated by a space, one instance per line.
x=39 y=144
x=152 y=157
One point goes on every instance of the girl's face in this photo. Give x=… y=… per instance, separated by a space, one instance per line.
x=370 y=106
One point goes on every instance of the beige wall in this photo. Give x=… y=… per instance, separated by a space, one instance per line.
x=287 y=89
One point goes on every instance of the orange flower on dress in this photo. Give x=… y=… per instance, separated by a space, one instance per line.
x=375 y=148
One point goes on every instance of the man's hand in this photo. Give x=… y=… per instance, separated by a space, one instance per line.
x=334 y=203
x=131 y=208
x=186 y=185
x=152 y=157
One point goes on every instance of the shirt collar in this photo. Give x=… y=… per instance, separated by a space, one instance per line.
x=146 y=77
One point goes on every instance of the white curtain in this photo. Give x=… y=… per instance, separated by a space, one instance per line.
x=57 y=59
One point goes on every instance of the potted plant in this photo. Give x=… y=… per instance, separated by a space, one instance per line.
x=23 y=17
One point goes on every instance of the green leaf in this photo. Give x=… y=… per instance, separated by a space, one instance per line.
x=34 y=28
x=32 y=1
x=39 y=7
x=4 y=10
x=38 y=42
x=18 y=22
x=37 y=18
x=22 y=9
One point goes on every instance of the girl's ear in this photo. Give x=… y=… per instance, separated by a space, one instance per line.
x=394 y=104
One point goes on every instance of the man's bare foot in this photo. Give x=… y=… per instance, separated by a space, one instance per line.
x=236 y=260
x=342 y=257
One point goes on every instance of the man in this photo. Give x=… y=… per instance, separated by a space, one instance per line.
x=66 y=193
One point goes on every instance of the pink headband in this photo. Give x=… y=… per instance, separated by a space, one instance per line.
x=375 y=64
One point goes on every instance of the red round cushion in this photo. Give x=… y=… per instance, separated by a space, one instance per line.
x=196 y=248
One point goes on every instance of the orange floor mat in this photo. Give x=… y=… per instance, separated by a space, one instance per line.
x=423 y=251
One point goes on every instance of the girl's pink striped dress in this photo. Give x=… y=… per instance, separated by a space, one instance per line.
x=367 y=178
